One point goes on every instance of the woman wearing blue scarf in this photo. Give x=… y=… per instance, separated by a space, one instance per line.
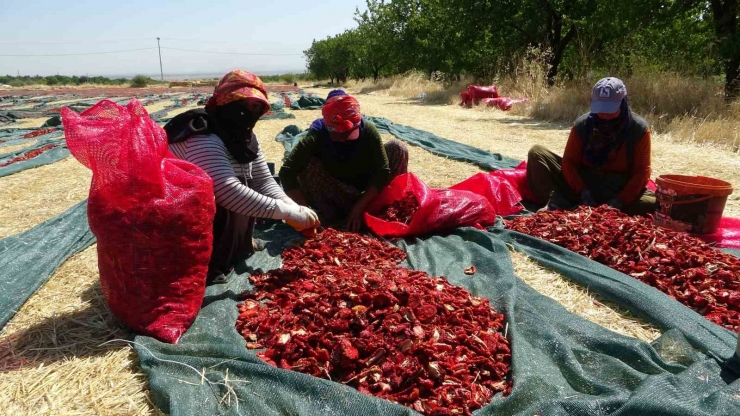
x=606 y=160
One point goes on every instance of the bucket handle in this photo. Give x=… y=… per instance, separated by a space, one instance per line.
x=691 y=201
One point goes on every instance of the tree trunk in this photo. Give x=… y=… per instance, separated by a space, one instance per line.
x=557 y=43
x=732 y=78
x=725 y=13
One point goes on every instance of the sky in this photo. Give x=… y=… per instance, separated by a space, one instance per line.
x=282 y=28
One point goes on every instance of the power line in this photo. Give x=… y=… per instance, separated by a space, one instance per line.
x=72 y=42
x=80 y=54
x=234 y=53
x=195 y=40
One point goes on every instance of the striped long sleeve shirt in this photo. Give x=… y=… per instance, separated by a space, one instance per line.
x=253 y=196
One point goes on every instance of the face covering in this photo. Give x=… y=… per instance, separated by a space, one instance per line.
x=235 y=125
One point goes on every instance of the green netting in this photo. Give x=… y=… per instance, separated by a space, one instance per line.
x=305 y=102
x=277 y=112
x=289 y=137
x=428 y=141
x=562 y=364
x=45 y=158
x=28 y=259
x=445 y=147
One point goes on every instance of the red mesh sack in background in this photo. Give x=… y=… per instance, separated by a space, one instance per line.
x=502 y=103
x=480 y=92
x=151 y=213
x=437 y=210
x=504 y=199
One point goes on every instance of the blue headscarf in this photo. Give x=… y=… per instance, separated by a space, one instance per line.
x=334 y=93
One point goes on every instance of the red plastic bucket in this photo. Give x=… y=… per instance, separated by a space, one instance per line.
x=691 y=203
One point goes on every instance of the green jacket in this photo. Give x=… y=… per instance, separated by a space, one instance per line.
x=360 y=163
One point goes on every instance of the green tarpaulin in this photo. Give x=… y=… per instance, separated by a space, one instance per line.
x=444 y=147
x=45 y=158
x=304 y=102
x=562 y=364
x=277 y=112
x=428 y=141
x=28 y=259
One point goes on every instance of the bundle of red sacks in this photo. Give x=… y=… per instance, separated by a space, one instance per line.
x=340 y=308
x=678 y=264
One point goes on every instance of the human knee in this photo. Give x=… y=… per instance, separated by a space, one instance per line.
x=536 y=152
x=396 y=147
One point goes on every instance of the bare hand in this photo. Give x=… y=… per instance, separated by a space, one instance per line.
x=355 y=220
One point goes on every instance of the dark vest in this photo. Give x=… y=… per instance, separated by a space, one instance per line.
x=633 y=134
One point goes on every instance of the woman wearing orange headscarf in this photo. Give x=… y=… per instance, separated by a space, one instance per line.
x=220 y=140
x=341 y=165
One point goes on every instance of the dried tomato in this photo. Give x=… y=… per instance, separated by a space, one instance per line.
x=401 y=210
x=39 y=132
x=29 y=155
x=678 y=264
x=340 y=308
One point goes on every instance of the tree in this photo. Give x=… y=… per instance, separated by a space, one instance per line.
x=725 y=14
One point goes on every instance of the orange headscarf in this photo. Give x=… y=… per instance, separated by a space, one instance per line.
x=238 y=85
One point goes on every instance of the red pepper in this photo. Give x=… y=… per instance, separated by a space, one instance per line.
x=39 y=132
x=29 y=155
x=401 y=210
x=340 y=308
x=678 y=264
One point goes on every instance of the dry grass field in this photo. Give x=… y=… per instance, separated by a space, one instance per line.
x=54 y=359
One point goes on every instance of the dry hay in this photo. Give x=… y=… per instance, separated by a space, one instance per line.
x=16 y=147
x=26 y=123
x=52 y=360
x=161 y=105
x=181 y=84
x=580 y=301
x=58 y=103
x=33 y=196
x=51 y=353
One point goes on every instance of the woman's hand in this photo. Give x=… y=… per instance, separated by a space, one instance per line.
x=355 y=219
x=298 y=217
x=303 y=218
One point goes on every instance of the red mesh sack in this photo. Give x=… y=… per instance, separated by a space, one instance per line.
x=504 y=199
x=502 y=103
x=438 y=210
x=465 y=99
x=480 y=92
x=518 y=179
x=151 y=213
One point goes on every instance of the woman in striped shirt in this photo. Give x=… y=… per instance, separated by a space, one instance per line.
x=220 y=141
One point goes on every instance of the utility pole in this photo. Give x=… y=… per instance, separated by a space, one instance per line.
x=161 y=73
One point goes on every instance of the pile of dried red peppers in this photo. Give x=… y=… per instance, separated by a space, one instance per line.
x=684 y=267
x=340 y=308
x=401 y=210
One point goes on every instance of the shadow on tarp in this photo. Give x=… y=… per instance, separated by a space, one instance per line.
x=562 y=363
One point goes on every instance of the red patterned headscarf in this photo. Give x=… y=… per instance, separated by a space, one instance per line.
x=238 y=85
x=341 y=113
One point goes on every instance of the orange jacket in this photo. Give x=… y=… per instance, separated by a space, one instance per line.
x=639 y=175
